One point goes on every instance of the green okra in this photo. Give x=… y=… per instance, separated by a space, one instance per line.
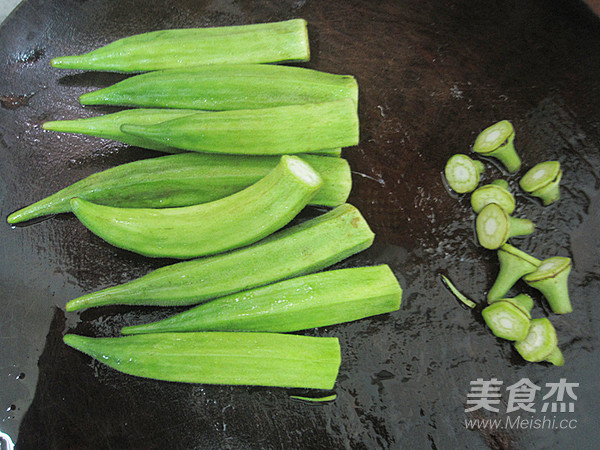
x=494 y=226
x=226 y=87
x=540 y=344
x=310 y=301
x=551 y=279
x=308 y=247
x=277 y=130
x=108 y=126
x=169 y=49
x=183 y=180
x=263 y=359
x=506 y=320
x=514 y=264
x=190 y=231
x=495 y=192
x=543 y=181
x=462 y=173
x=498 y=141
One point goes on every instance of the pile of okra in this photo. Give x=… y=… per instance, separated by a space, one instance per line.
x=250 y=143
x=510 y=317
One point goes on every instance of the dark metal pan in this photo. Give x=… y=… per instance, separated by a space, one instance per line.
x=432 y=75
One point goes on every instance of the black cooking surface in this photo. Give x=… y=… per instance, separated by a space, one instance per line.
x=432 y=75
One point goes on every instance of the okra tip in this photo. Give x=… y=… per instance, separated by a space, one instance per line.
x=92 y=98
x=141 y=131
x=24 y=214
x=58 y=125
x=76 y=203
x=74 y=340
x=15 y=217
x=87 y=301
x=66 y=62
x=146 y=328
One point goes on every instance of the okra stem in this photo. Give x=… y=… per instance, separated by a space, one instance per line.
x=540 y=344
x=327 y=398
x=502 y=183
x=495 y=227
x=556 y=357
x=495 y=192
x=459 y=295
x=551 y=279
x=522 y=301
x=462 y=173
x=506 y=320
x=514 y=263
x=543 y=181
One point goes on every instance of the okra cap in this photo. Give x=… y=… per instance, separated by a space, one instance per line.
x=493 y=137
x=498 y=141
x=549 y=193
x=462 y=173
x=551 y=279
x=540 y=342
x=506 y=320
x=514 y=263
x=540 y=176
x=522 y=301
x=492 y=193
x=494 y=226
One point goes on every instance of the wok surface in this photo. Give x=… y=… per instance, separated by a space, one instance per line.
x=432 y=75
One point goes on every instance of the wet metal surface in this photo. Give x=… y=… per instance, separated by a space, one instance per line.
x=432 y=75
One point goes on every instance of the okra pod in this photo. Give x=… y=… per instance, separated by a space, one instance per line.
x=108 y=126
x=190 y=231
x=226 y=87
x=183 y=180
x=311 y=301
x=169 y=49
x=278 y=130
x=263 y=359
x=308 y=247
